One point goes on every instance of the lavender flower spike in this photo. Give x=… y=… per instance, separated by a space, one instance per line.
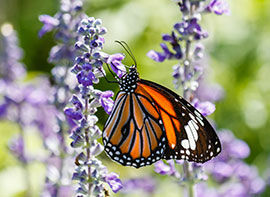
x=88 y=67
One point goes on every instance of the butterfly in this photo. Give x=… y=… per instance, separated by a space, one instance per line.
x=149 y=122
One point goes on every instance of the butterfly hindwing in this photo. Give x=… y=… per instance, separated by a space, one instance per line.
x=132 y=135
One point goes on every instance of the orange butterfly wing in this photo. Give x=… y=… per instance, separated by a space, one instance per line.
x=133 y=134
x=190 y=136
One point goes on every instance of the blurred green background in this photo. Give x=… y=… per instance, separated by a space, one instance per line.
x=238 y=49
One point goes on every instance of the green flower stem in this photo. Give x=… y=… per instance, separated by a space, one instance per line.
x=24 y=164
x=88 y=154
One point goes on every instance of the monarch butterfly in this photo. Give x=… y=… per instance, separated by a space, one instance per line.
x=150 y=122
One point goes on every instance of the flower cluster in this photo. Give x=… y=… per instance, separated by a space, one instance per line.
x=183 y=45
x=24 y=103
x=64 y=24
x=179 y=45
x=232 y=176
x=90 y=172
x=147 y=185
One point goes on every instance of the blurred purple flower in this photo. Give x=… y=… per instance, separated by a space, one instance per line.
x=218 y=7
x=239 y=149
x=166 y=169
x=206 y=108
x=3 y=110
x=115 y=61
x=17 y=147
x=235 y=178
x=203 y=190
x=146 y=185
x=156 y=56
x=167 y=53
x=114 y=182
x=10 y=55
x=209 y=92
x=49 y=24
x=191 y=27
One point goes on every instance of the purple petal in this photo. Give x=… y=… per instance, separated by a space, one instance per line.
x=114 y=182
x=16 y=146
x=156 y=56
x=205 y=108
x=3 y=109
x=76 y=102
x=71 y=113
x=146 y=184
x=239 y=149
x=49 y=23
x=218 y=7
x=115 y=61
x=107 y=94
x=167 y=37
x=164 y=169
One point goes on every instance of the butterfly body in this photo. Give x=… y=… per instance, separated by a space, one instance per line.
x=150 y=122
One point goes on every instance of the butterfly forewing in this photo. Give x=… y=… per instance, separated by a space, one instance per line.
x=190 y=136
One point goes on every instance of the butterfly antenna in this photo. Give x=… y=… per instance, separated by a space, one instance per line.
x=100 y=69
x=127 y=49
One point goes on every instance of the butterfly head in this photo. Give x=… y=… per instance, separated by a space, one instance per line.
x=128 y=83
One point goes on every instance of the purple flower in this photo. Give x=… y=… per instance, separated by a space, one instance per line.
x=3 y=109
x=206 y=108
x=88 y=69
x=76 y=102
x=234 y=177
x=190 y=27
x=156 y=56
x=73 y=114
x=176 y=72
x=114 y=182
x=209 y=92
x=164 y=169
x=167 y=53
x=115 y=61
x=10 y=67
x=219 y=7
x=106 y=101
x=49 y=23
x=86 y=78
x=16 y=146
x=146 y=184
x=239 y=149
x=202 y=190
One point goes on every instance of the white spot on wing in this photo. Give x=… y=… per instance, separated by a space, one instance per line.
x=201 y=122
x=185 y=143
x=193 y=130
x=190 y=137
x=172 y=146
x=198 y=115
